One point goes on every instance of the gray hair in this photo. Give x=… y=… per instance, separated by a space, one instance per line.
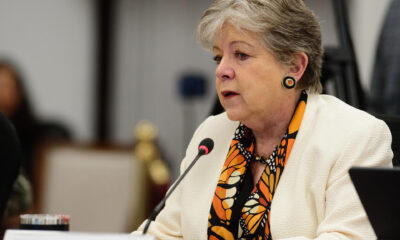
x=286 y=27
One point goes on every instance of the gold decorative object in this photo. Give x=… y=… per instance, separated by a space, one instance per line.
x=145 y=131
x=159 y=172
x=148 y=152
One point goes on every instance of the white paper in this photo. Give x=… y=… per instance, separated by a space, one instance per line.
x=59 y=235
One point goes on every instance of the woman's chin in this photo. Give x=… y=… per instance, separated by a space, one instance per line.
x=234 y=115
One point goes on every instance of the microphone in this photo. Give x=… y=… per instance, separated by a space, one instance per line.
x=205 y=147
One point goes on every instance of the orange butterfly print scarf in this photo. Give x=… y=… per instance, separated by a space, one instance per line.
x=240 y=210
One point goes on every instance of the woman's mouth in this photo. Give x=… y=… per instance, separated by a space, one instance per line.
x=229 y=94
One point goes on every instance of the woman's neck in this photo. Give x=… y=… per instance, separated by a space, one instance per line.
x=269 y=130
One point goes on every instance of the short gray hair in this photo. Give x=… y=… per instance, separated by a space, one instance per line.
x=286 y=27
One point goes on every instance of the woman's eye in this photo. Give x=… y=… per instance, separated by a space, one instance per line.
x=241 y=56
x=217 y=59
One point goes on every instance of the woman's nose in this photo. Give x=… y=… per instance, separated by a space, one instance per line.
x=224 y=71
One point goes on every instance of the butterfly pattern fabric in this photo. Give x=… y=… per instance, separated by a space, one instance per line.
x=238 y=210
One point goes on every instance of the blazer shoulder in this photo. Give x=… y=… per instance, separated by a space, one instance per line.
x=338 y=114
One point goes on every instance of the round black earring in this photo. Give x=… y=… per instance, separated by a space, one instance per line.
x=288 y=82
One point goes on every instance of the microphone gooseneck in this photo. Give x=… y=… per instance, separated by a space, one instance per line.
x=205 y=147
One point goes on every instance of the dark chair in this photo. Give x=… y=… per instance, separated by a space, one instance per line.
x=10 y=159
x=51 y=130
x=340 y=63
x=393 y=121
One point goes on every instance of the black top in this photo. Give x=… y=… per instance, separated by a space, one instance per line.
x=10 y=159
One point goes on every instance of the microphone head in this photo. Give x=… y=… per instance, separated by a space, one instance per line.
x=206 y=146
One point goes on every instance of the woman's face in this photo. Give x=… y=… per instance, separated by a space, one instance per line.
x=9 y=95
x=248 y=76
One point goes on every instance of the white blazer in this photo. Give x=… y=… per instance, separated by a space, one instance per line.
x=315 y=198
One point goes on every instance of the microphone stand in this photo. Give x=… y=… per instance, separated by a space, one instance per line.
x=161 y=205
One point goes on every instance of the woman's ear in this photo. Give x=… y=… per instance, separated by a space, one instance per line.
x=299 y=65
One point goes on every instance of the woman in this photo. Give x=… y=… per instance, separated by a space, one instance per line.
x=279 y=168
x=15 y=105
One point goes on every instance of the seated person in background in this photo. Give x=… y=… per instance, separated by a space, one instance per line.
x=15 y=105
x=282 y=151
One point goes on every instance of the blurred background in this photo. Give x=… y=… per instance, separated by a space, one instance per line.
x=109 y=80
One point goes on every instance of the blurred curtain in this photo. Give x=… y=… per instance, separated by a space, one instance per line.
x=385 y=83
